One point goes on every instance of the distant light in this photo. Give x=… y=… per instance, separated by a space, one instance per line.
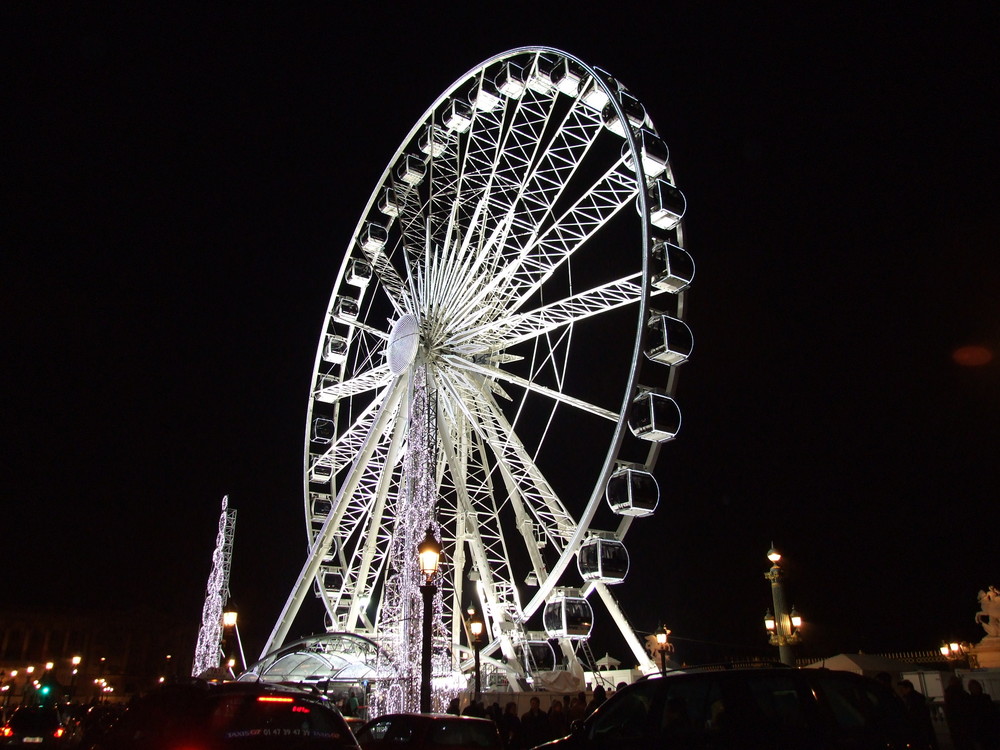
x=972 y=356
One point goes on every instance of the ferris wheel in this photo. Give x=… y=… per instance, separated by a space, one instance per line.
x=520 y=263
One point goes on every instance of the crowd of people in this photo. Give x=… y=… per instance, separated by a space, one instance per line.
x=535 y=726
x=972 y=716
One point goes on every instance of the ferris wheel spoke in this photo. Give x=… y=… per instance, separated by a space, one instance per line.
x=540 y=259
x=552 y=172
x=377 y=377
x=339 y=576
x=514 y=485
x=505 y=333
x=389 y=280
x=515 y=463
x=479 y=515
x=496 y=372
x=367 y=562
x=515 y=283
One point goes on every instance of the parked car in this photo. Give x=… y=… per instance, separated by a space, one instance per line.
x=773 y=708
x=40 y=726
x=429 y=732
x=228 y=716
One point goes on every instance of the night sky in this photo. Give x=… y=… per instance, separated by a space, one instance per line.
x=181 y=185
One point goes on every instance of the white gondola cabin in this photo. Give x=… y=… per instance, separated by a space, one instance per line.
x=411 y=170
x=566 y=76
x=335 y=349
x=359 y=272
x=654 y=417
x=373 y=237
x=594 y=95
x=567 y=616
x=540 y=75
x=321 y=473
x=346 y=308
x=677 y=265
x=322 y=430
x=666 y=205
x=458 y=116
x=602 y=560
x=486 y=97
x=320 y=506
x=510 y=80
x=635 y=113
x=536 y=655
x=632 y=492
x=653 y=152
x=669 y=341
x=433 y=140
x=388 y=204
x=323 y=385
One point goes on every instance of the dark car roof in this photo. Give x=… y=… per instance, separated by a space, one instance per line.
x=230 y=713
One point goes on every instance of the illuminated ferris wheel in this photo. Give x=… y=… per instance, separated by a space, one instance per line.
x=502 y=340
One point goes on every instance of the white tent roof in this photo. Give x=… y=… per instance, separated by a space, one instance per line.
x=868 y=665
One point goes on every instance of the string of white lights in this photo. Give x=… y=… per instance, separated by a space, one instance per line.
x=208 y=653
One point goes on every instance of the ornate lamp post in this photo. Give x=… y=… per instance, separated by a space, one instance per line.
x=476 y=629
x=429 y=554
x=782 y=626
x=663 y=647
x=229 y=624
x=956 y=652
x=75 y=661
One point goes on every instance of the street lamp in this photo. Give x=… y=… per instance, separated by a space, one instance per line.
x=428 y=554
x=956 y=652
x=229 y=621
x=782 y=626
x=663 y=647
x=476 y=629
x=75 y=661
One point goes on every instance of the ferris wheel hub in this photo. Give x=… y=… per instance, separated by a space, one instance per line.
x=404 y=341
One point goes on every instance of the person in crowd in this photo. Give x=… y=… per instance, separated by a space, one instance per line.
x=558 y=721
x=535 y=724
x=600 y=696
x=510 y=728
x=916 y=705
x=956 y=711
x=475 y=708
x=984 y=718
x=577 y=708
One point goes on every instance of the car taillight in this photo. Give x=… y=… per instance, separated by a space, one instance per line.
x=274 y=699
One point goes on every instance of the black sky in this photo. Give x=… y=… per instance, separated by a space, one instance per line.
x=181 y=185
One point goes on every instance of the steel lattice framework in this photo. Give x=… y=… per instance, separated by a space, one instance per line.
x=208 y=652
x=511 y=252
